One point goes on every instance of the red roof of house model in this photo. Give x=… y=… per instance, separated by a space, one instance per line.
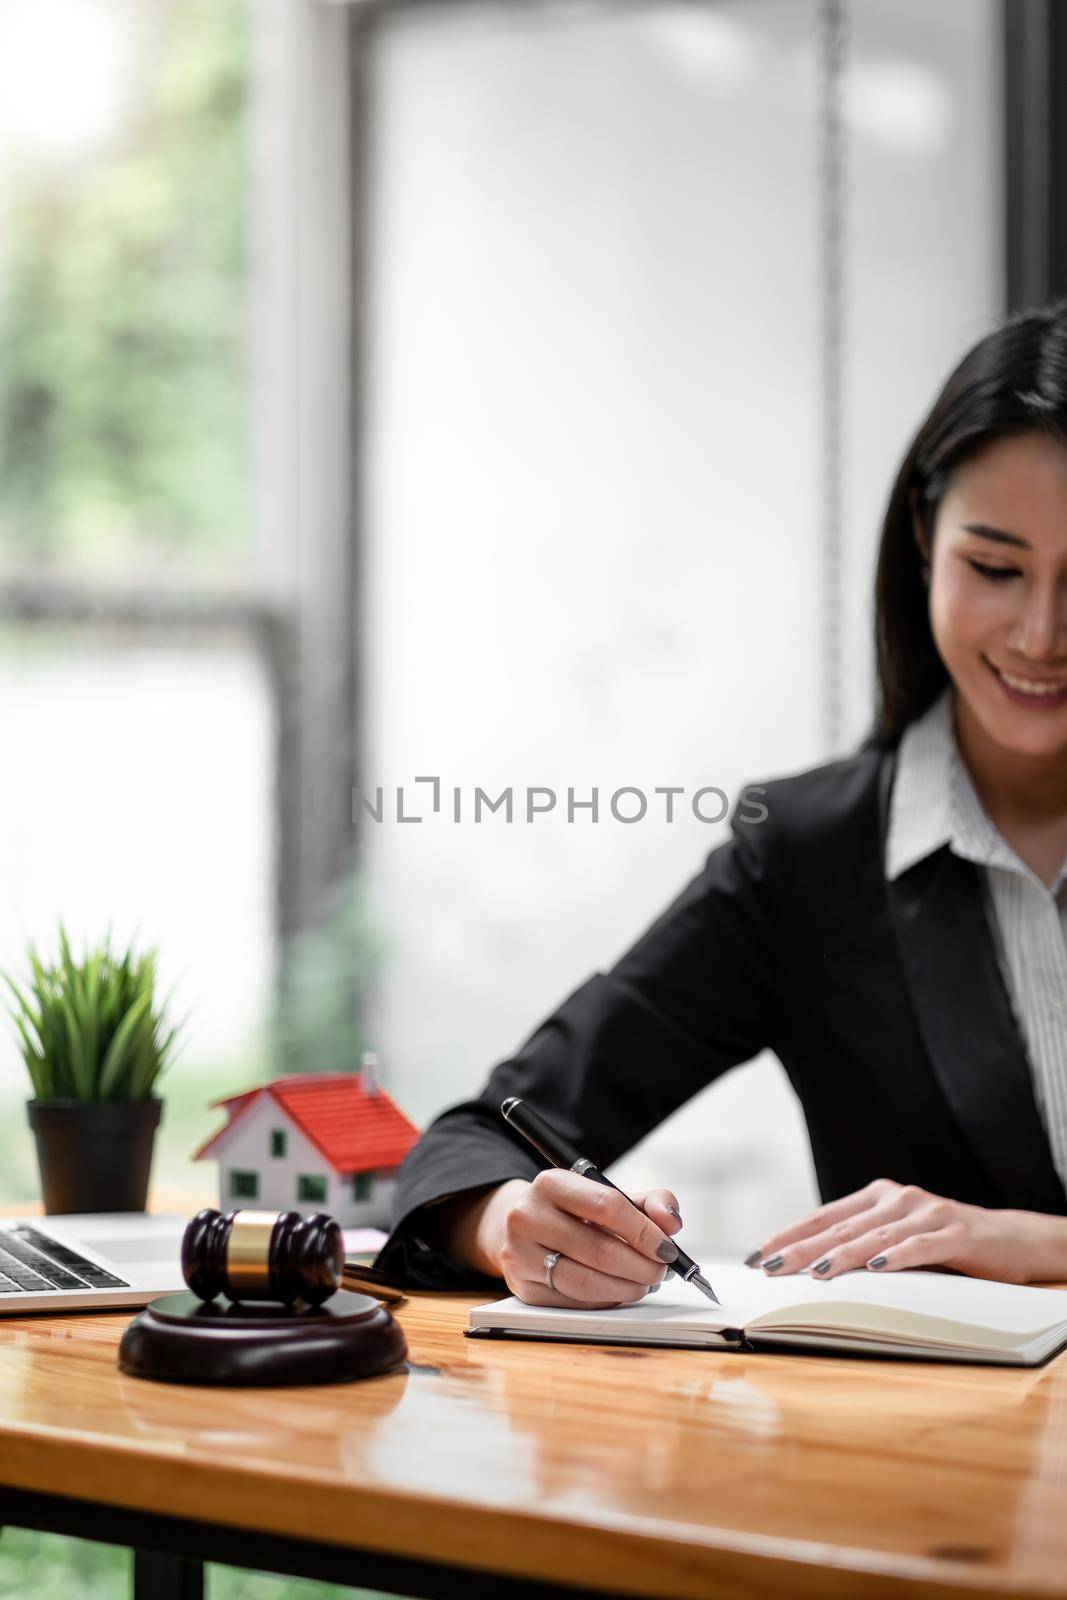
x=354 y=1130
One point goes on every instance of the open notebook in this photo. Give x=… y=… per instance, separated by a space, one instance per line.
x=940 y=1316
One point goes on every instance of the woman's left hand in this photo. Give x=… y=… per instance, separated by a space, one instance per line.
x=889 y=1226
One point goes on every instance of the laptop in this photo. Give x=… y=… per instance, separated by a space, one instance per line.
x=88 y=1263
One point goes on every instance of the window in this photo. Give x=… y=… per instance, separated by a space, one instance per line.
x=360 y=1185
x=310 y=1187
x=277 y=1142
x=124 y=390
x=129 y=563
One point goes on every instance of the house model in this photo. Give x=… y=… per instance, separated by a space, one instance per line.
x=328 y=1141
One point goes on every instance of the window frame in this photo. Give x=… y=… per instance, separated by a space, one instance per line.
x=297 y=603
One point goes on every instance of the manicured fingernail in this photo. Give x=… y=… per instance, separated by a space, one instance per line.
x=772 y=1263
x=822 y=1266
x=876 y=1262
x=675 y=1212
x=652 y=1288
x=754 y=1259
x=667 y=1250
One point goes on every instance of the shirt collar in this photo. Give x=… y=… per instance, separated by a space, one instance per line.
x=934 y=801
x=920 y=814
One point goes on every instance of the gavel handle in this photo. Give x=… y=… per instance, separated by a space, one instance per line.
x=367 y=1280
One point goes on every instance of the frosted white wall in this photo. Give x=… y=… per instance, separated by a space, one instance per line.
x=592 y=516
x=925 y=110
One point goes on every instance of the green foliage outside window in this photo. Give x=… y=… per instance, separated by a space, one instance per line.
x=326 y=972
x=36 y=1566
x=123 y=319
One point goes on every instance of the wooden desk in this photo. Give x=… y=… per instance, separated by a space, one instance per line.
x=489 y=1468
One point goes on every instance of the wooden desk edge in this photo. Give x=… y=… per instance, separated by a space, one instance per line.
x=664 y=1564
x=614 y=1555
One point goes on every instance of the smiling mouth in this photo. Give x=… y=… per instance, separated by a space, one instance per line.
x=1034 y=688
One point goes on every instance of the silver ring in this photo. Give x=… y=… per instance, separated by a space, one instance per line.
x=550 y=1262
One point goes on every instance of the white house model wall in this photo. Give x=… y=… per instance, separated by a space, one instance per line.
x=245 y=1149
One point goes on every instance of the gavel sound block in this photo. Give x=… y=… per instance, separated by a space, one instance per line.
x=277 y=1271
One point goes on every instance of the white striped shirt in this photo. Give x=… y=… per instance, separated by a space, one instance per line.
x=934 y=803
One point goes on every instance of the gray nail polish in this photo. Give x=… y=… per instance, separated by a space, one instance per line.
x=675 y=1212
x=667 y=1250
x=754 y=1259
x=822 y=1266
x=652 y=1288
x=876 y=1262
x=772 y=1263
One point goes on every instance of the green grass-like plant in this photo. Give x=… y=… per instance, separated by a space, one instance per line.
x=90 y=1030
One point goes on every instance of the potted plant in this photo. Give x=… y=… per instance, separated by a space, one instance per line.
x=94 y=1042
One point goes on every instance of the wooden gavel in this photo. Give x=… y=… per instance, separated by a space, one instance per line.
x=272 y=1255
x=263 y=1255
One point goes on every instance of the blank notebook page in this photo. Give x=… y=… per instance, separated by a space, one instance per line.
x=944 y=1304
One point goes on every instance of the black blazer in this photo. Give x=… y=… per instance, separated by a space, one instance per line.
x=884 y=1002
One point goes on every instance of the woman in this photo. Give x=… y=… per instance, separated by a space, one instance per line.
x=894 y=928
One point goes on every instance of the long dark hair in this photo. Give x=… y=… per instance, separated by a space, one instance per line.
x=1013 y=380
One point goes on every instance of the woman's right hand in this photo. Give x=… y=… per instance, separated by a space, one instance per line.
x=609 y=1252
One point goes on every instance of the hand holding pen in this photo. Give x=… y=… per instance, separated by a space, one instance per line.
x=550 y=1256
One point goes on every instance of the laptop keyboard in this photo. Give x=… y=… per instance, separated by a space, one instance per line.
x=31 y=1262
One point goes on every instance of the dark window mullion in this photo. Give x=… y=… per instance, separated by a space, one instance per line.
x=1035 y=149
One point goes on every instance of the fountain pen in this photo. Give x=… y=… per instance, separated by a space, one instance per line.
x=536 y=1131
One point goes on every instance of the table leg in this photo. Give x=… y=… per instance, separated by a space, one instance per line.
x=165 y=1577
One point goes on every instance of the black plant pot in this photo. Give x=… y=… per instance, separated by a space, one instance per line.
x=94 y=1157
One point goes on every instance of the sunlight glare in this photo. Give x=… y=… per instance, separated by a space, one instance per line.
x=60 y=74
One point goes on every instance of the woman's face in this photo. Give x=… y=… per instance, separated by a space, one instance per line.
x=998 y=591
